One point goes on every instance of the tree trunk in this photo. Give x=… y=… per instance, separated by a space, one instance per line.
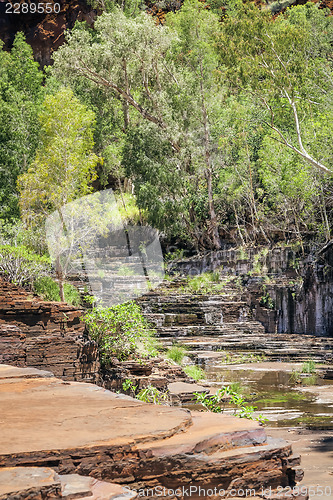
x=208 y=174
x=60 y=279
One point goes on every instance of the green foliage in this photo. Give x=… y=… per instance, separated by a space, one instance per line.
x=176 y=353
x=48 y=289
x=121 y=331
x=124 y=270
x=247 y=357
x=216 y=403
x=194 y=372
x=266 y=300
x=208 y=282
x=22 y=266
x=242 y=254
x=218 y=125
x=20 y=94
x=128 y=386
x=16 y=233
x=149 y=394
x=65 y=165
x=309 y=366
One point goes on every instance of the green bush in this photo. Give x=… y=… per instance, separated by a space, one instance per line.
x=151 y=394
x=176 y=353
x=194 y=372
x=22 y=266
x=121 y=331
x=216 y=403
x=48 y=289
x=205 y=283
x=309 y=366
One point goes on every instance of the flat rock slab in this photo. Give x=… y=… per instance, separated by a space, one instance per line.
x=179 y=388
x=81 y=487
x=209 y=432
x=19 y=482
x=43 y=482
x=7 y=372
x=49 y=414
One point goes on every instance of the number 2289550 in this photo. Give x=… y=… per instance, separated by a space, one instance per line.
x=32 y=8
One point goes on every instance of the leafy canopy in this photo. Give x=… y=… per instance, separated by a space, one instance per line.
x=64 y=166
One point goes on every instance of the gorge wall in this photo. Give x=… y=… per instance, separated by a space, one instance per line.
x=44 y=32
x=300 y=287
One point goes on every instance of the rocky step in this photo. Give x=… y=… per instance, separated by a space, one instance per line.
x=23 y=483
x=189 y=299
x=83 y=429
x=208 y=434
x=194 y=318
x=271 y=463
x=273 y=349
x=218 y=332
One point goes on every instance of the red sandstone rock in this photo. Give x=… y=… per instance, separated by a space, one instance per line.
x=84 y=429
x=45 y=335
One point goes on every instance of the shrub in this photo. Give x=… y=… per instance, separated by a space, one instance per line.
x=121 y=331
x=48 y=289
x=151 y=394
x=194 y=372
x=209 y=282
x=176 y=353
x=22 y=266
x=216 y=403
x=309 y=366
x=17 y=234
x=148 y=394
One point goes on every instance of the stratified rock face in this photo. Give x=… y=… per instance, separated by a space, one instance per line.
x=83 y=429
x=45 y=335
x=296 y=309
x=44 y=32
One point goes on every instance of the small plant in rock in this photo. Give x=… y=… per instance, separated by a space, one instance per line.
x=194 y=372
x=48 y=289
x=128 y=386
x=242 y=254
x=205 y=283
x=216 y=403
x=309 y=366
x=125 y=271
x=266 y=300
x=151 y=394
x=295 y=377
x=176 y=353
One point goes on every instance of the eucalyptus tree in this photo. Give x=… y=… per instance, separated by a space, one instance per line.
x=137 y=64
x=21 y=93
x=285 y=64
x=64 y=166
x=195 y=54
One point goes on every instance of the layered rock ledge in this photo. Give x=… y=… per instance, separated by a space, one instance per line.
x=79 y=428
x=45 y=335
